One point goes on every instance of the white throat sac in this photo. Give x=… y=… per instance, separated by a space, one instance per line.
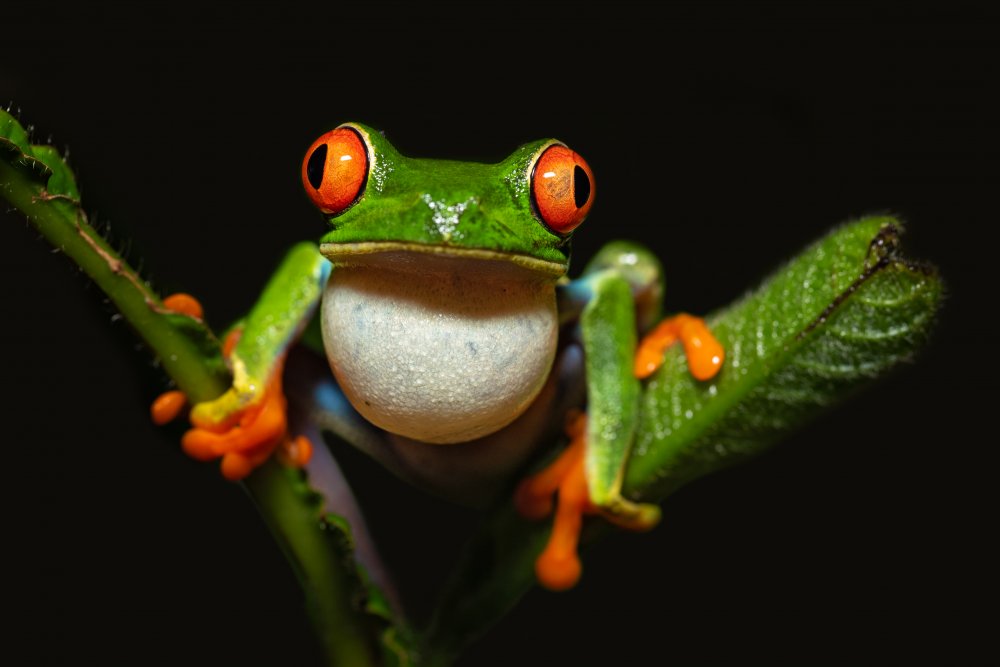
x=438 y=348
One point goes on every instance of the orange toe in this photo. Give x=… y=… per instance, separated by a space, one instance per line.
x=558 y=567
x=235 y=466
x=296 y=452
x=185 y=304
x=167 y=406
x=703 y=351
x=197 y=446
x=649 y=353
x=229 y=344
x=533 y=498
x=558 y=572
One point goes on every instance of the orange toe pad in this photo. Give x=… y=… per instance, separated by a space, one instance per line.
x=185 y=304
x=167 y=406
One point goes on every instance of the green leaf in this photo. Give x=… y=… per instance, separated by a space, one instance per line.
x=843 y=312
x=840 y=314
x=42 y=163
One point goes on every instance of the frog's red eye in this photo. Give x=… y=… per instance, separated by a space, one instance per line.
x=335 y=170
x=562 y=188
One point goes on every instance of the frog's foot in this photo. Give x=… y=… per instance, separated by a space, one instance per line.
x=243 y=433
x=558 y=567
x=704 y=353
x=245 y=437
x=169 y=405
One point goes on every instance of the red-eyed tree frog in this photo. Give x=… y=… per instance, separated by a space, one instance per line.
x=457 y=343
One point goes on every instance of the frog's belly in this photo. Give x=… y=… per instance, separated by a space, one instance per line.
x=442 y=355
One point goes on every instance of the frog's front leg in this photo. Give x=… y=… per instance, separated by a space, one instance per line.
x=247 y=423
x=621 y=287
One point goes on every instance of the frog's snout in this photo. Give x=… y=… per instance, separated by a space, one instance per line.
x=447 y=216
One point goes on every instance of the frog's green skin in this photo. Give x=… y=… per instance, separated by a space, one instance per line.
x=467 y=222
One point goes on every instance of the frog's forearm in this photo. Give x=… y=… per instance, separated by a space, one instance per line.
x=274 y=323
x=608 y=329
x=283 y=310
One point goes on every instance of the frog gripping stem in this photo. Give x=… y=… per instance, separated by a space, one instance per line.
x=247 y=437
x=257 y=432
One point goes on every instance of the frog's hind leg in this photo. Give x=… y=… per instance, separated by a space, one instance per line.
x=558 y=566
x=621 y=285
x=619 y=294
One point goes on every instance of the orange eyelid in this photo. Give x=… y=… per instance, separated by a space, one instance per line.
x=562 y=197
x=335 y=178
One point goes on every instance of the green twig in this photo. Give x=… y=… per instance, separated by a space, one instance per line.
x=38 y=182
x=327 y=579
x=198 y=373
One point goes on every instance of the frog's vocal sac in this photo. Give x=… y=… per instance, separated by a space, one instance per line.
x=447 y=319
x=442 y=349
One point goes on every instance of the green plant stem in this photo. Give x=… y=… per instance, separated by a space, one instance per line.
x=344 y=634
x=496 y=569
x=189 y=355
x=61 y=221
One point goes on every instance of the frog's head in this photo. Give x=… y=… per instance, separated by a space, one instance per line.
x=520 y=211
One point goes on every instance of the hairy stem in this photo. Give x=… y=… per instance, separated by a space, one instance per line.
x=62 y=222
x=35 y=180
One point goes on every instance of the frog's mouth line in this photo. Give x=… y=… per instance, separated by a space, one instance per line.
x=348 y=253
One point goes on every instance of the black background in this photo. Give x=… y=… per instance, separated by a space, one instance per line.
x=724 y=138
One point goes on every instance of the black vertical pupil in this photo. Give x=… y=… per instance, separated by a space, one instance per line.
x=317 y=164
x=581 y=186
